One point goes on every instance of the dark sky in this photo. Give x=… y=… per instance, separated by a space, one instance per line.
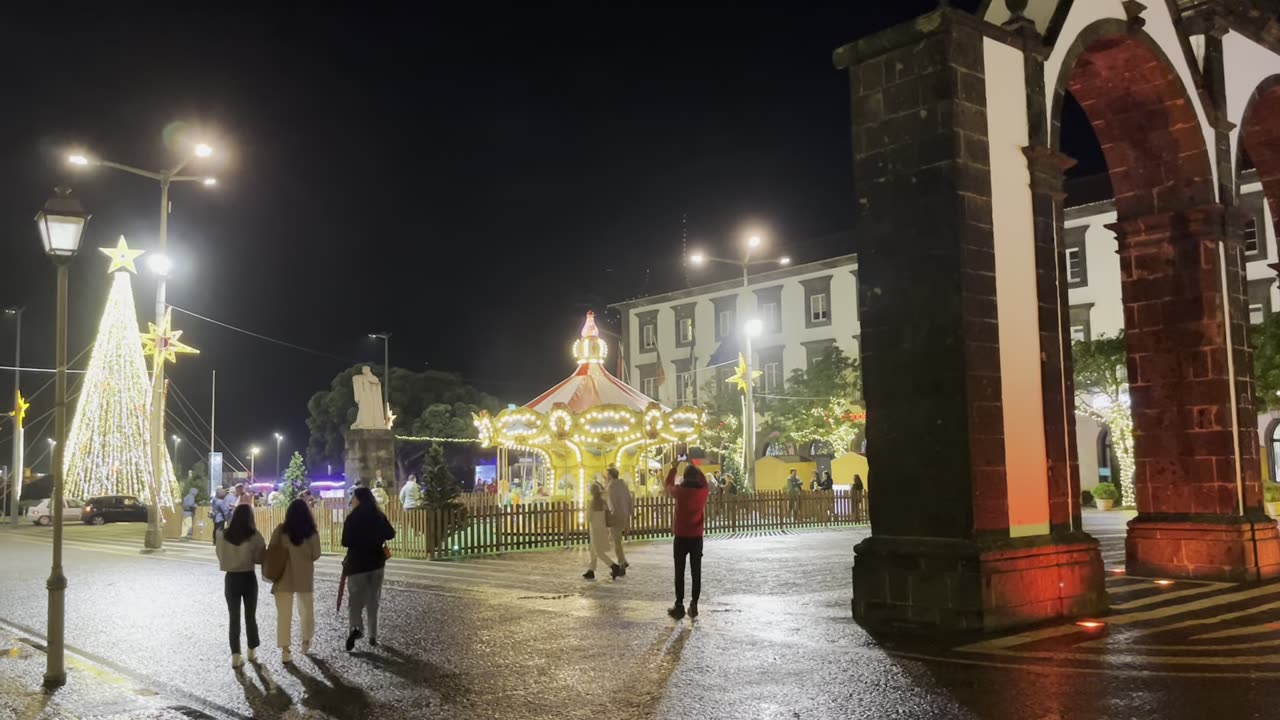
x=470 y=182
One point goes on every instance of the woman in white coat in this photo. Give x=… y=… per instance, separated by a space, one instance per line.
x=598 y=533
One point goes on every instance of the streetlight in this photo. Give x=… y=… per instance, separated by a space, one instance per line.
x=61 y=222
x=753 y=328
x=154 y=539
x=253 y=455
x=176 y=441
x=386 y=367
x=15 y=481
x=279 y=437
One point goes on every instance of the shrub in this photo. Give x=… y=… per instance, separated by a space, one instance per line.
x=1086 y=497
x=1271 y=491
x=1106 y=491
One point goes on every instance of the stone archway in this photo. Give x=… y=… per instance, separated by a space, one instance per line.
x=1260 y=138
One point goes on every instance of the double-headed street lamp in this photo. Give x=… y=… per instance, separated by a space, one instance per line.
x=160 y=264
x=61 y=222
x=751 y=329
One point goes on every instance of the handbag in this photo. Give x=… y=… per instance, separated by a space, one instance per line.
x=275 y=561
x=386 y=551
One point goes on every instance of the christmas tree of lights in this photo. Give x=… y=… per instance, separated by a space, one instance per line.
x=109 y=445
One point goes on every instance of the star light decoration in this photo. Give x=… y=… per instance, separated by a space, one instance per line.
x=391 y=417
x=163 y=341
x=121 y=257
x=739 y=376
x=19 y=410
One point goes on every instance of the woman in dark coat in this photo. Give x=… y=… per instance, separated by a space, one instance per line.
x=364 y=535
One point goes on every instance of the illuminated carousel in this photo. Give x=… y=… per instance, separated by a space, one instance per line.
x=585 y=424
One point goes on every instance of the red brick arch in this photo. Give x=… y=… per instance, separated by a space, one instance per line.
x=1143 y=117
x=1260 y=137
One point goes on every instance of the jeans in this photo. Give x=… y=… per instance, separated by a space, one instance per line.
x=284 y=617
x=242 y=587
x=693 y=548
x=366 y=592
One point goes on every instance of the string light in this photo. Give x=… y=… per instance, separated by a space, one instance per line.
x=109 y=445
x=424 y=438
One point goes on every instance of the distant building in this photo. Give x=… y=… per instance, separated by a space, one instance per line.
x=675 y=342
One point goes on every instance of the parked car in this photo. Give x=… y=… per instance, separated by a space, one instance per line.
x=40 y=515
x=113 y=508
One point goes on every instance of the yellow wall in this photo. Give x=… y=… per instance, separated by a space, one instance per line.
x=772 y=472
x=844 y=467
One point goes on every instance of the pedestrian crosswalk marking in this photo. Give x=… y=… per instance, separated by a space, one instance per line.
x=1166 y=596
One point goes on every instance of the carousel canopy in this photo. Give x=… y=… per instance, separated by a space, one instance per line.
x=591 y=385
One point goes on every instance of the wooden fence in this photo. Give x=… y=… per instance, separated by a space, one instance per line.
x=485 y=526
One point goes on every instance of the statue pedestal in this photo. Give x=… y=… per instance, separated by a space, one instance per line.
x=367 y=452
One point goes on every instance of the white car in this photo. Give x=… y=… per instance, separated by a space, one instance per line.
x=40 y=515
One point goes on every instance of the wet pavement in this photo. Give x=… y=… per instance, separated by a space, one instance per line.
x=522 y=636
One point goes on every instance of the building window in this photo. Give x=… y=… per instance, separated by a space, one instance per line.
x=816 y=350
x=1259 y=301
x=771 y=380
x=769 y=308
x=1251 y=244
x=686 y=331
x=1078 y=322
x=769 y=317
x=818 y=308
x=684 y=323
x=686 y=389
x=648 y=337
x=725 y=326
x=1075 y=260
x=649 y=386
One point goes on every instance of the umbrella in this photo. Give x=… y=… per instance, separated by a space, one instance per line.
x=342 y=587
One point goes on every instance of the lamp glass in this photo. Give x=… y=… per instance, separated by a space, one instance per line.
x=753 y=327
x=60 y=233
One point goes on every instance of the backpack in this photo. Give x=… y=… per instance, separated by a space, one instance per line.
x=275 y=561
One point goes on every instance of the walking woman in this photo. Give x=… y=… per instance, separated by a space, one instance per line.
x=239 y=549
x=364 y=535
x=598 y=533
x=298 y=533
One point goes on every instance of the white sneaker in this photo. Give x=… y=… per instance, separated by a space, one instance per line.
x=286 y=657
x=253 y=654
x=237 y=662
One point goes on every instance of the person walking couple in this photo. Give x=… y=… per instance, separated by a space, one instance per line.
x=608 y=519
x=288 y=562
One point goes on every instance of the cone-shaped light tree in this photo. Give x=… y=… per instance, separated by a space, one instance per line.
x=109 y=446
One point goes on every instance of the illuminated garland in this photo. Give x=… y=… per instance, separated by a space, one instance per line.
x=109 y=444
x=1114 y=412
x=422 y=438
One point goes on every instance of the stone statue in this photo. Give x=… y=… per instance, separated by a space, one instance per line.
x=368 y=392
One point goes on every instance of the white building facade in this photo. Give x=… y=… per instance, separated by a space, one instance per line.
x=674 y=343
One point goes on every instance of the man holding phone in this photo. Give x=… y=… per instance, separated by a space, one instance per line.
x=690 y=495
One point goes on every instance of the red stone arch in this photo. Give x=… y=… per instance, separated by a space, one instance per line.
x=1260 y=137
x=1143 y=117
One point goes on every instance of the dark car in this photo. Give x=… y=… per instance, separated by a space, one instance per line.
x=113 y=508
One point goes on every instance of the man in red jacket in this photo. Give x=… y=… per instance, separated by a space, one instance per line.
x=691 y=503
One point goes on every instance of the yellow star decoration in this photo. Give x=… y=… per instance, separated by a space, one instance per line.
x=19 y=410
x=391 y=417
x=121 y=257
x=739 y=376
x=164 y=340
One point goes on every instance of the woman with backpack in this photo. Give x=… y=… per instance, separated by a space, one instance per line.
x=298 y=535
x=364 y=534
x=239 y=549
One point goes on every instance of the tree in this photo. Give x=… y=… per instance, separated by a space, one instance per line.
x=332 y=411
x=823 y=404
x=109 y=445
x=440 y=490
x=722 y=429
x=1102 y=393
x=1265 y=339
x=294 y=483
x=198 y=478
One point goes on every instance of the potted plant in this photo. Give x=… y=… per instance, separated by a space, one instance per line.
x=1105 y=495
x=1271 y=497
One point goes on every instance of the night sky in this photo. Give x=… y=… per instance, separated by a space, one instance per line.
x=471 y=183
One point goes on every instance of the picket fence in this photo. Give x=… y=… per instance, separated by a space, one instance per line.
x=486 y=526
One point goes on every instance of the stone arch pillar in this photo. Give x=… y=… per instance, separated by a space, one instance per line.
x=975 y=522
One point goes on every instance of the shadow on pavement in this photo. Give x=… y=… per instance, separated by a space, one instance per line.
x=266 y=701
x=330 y=694
x=414 y=670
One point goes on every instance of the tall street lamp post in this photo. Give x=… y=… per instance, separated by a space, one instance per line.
x=279 y=437
x=176 y=441
x=15 y=473
x=61 y=222
x=160 y=264
x=753 y=328
x=386 y=368
x=253 y=456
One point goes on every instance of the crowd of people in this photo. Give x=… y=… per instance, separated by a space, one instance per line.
x=288 y=562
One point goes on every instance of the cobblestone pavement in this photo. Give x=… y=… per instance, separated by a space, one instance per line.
x=523 y=636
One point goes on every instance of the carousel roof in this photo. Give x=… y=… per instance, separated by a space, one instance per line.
x=590 y=385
